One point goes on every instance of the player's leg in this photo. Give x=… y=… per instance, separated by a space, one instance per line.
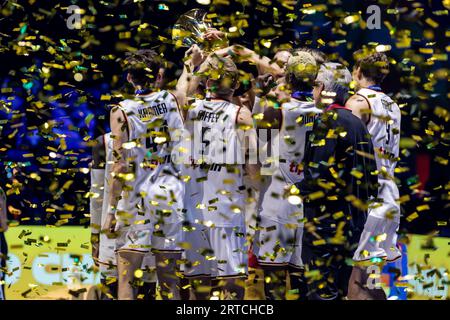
x=167 y=269
x=132 y=245
x=147 y=287
x=275 y=247
x=296 y=271
x=128 y=262
x=197 y=268
x=360 y=285
x=200 y=287
x=369 y=253
x=274 y=281
x=166 y=243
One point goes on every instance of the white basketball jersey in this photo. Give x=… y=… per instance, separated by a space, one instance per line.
x=215 y=192
x=108 y=143
x=298 y=119
x=297 y=122
x=153 y=124
x=384 y=128
x=107 y=246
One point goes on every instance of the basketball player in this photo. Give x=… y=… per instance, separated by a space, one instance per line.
x=146 y=194
x=3 y=244
x=280 y=228
x=382 y=117
x=215 y=194
x=337 y=186
x=103 y=248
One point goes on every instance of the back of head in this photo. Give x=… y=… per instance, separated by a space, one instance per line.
x=143 y=66
x=301 y=71
x=374 y=66
x=336 y=79
x=221 y=75
x=319 y=56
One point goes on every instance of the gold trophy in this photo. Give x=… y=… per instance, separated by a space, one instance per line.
x=190 y=28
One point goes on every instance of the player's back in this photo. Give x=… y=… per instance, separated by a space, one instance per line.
x=153 y=121
x=297 y=122
x=214 y=191
x=384 y=128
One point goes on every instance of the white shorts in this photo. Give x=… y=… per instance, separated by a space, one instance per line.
x=168 y=237
x=379 y=237
x=134 y=240
x=217 y=252
x=278 y=244
x=158 y=213
x=149 y=268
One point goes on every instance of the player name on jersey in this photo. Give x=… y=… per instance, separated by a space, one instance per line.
x=152 y=110
x=208 y=116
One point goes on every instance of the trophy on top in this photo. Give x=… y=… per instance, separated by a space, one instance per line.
x=190 y=28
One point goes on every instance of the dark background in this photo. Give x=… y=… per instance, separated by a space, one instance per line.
x=51 y=112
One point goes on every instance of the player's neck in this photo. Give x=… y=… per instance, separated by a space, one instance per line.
x=215 y=97
x=141 y=91
x=364 y=83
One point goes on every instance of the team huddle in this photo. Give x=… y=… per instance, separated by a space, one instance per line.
x=283 y=164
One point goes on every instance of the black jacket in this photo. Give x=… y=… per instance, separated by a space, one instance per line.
x=339 y=168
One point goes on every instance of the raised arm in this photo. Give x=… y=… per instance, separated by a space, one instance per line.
x=264 y=64
x=188 y=81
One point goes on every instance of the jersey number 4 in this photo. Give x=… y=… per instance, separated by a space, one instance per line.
x=153 y=133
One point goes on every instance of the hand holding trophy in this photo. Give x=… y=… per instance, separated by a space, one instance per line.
x=193 y=27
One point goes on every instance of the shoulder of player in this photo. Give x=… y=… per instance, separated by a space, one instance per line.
x=357 y=102
x=243 y=115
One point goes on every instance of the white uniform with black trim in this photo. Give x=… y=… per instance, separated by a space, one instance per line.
x=280 y=230
x=150 y=212
x=379 y=238
x=215 y=192
x=107 y=256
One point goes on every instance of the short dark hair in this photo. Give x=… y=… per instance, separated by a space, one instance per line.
x=373 y=66
x=143 y=66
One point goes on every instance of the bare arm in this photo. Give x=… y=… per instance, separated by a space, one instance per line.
x=188 y=81
x=252 y=167
x=360 y=107
x=119 y=134
x=264 y=64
